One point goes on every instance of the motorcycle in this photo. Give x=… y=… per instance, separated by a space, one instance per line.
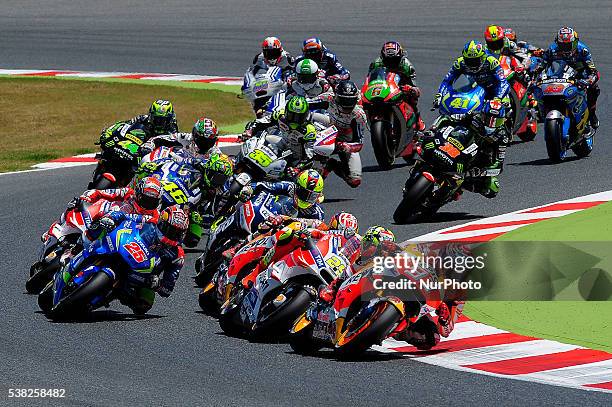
x=264 y=89
x=284 y=290
x=567 y=115
x=443 y=159
x=232 y=271
x=362 y=314
x=523 y=122
x=63 y=236
x=391 y=119
x=115 y=265
x=228 y=231
x=119 y=157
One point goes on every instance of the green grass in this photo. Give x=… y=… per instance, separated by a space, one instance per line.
x=585 y=323
x=49 y=118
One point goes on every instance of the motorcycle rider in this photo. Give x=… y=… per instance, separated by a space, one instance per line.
x=326 y=60
x=485 y=70
x=568 y=48
x=290 y=237
x=201 y=141
x=524 y=46
x=165 y=238
x=308 y=82
x=273 y=54
x=161 y=119
x=393 y=57
x=348 y=116
x=498 y=44
x=296 y=133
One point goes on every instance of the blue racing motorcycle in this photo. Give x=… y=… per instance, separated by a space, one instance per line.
x=116 y=265
x=444 y=155
x=230 y=231
x=567 y=114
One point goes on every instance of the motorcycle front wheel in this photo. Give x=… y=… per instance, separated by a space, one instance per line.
x=76 y=302
x=553 y=136
x=383 y=144
x=415 y=190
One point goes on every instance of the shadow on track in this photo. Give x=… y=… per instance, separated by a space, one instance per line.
x=546 y=162
x=376 y=168
x=104 y=316
x=369 y=356
x=441 y=217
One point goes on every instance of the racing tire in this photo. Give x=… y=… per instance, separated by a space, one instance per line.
x=227 y=322
x=280 y=320
x=101 y=183
x=515 y=105
x=75 y=302
x=409 y=207
x=40 y=275
x=552 y=136
x=383 y=144
x=373 y=334
x=302 y=343
x=208 y=303
x=45 y=298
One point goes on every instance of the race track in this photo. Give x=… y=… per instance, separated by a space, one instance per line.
x=178 y=356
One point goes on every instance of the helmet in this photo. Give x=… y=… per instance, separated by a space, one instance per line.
x=306 y=71
x=172 y=225
x=272 y=50
x=308 y=189
x=391 y=54
x=343 y=221
x=148 y=193
x=313 y=49
x=347 y=95
x=374 y=241
x=216 y=170
x=205 y=134
x=510 y=34
x=161 y=115
x=495 y=38
x=474 y=56
x=296 y=111
x=567 y=41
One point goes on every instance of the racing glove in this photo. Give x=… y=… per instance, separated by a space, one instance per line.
x=583 y=83
x=245 y=193
x=436 y=101
x=90 y=196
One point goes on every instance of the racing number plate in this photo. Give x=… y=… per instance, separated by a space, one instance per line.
x=175 y=192
x=260 y=157
x=450 y=149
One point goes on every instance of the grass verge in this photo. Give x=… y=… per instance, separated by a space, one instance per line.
x=47 y=118
x=585 y=323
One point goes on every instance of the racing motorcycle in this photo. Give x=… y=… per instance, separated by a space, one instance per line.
x=283 y=292
x=523 y=122
x=62 y=237
x=264 y=89
x=119 y=157
x=228 y=231
x=114 y=266
x=180 y=186
x=391 y=118
x=231 y=271
x=567 y=114
x=363 y=312
x=444 y=157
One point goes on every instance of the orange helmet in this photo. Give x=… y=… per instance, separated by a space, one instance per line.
x=495 y=38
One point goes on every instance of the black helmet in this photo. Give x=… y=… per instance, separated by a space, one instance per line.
x=391 y=54
x=347 y=95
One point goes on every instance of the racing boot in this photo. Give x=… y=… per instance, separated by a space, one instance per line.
x=489 y=187
x=593 y=120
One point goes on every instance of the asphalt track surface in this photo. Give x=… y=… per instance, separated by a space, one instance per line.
x=178 y=356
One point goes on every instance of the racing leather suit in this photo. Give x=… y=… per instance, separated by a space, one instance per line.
x=352 y=128
x=143 y=120
x=582 y=61
x=139 y=293
x=287 y=188
x=286 y=63
x=407 y=74
x=317 y=94
x=491 y=78
x=329 y=63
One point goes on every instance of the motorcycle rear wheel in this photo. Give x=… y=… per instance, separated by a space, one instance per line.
x=302 y=343
x=280 y=320
x=42 y=275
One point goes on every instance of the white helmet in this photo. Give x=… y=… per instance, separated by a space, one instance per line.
x=307 y=72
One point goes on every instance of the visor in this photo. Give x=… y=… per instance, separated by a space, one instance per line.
x=566 y=47
x=172 y=232
x=293 y=117
x=346 y=102
x=204 y=144
x=216 y=179
x=495 y=45
x=392 y=61
x=148 y=202
x=306 y=198
x=272 y=53
x=307 y=78
x=314 y=54
x=160 y=121
x=473 y=63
